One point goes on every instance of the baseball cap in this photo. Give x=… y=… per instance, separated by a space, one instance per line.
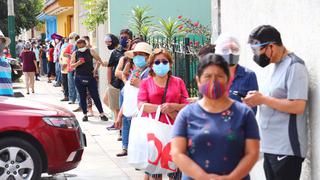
x=265 y=34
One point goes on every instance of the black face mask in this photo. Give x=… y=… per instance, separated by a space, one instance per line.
x=262 y=60
x=111 y=47
x=231 y=59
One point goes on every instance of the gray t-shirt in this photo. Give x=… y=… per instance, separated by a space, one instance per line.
x=283 y=133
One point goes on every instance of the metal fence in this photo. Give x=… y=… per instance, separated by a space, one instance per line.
x=184 y=51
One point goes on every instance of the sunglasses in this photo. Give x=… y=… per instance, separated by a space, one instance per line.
x=163 y=61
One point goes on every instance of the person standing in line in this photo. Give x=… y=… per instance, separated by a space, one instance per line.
x=82 y=61
x=242 y=80
x=164 y=90
x=57 y=48
x=5 y=69
x=19 y=47
x=51 y=65
x=71 y=47
x=139 y=55
x=29 y=66
x=216 y=138
x=44 y=59
x=282 y=102
x=114 y=85
x=64 y=70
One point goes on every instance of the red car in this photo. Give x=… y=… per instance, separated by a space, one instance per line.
x=36 y=138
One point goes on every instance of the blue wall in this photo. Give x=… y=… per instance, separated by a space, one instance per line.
x=51 y=26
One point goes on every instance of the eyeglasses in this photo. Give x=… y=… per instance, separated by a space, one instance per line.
x=163 y=61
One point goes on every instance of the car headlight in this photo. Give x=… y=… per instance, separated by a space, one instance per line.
x=62 y=122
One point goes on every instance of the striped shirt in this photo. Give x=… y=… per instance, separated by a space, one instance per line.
x=5 y=78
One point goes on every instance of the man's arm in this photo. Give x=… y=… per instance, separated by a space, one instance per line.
x=255 y=98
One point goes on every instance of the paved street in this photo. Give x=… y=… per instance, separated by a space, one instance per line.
x=99 y=161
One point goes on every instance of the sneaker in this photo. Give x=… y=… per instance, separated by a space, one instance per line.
x=37 y=79
x=57 y=85
x=111 y=127
x=85 y=118
x=77 y=110
x=49 y=81
x=65 y=99
x=71 y=102
x=123 y=153
x=104 y=118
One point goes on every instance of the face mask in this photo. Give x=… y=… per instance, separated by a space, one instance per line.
x=5 y=52
x=72 y=41
x=124 y=42
x=161 y=69
x=140 y=61
x=111 y=47
x=262 y=60
x=82 y=49
x=231 y=59
x=212 y=89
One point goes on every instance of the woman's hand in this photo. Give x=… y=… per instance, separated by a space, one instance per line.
x=118 y=123
x=135 y=82
x=168 y=108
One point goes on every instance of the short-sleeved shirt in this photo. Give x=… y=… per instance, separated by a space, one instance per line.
x=244 y=81
x=5 y=78
x=28 y=58
x=150 y=92
x=216 y=141
x=63 y=60
x=283 y=133
x=113 y=63
x=69 y=50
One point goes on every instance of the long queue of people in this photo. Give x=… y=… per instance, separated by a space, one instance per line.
x=215 y=136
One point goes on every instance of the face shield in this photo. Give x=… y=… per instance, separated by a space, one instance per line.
x=228 y=47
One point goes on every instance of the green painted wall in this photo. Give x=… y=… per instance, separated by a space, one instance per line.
x=120 y=11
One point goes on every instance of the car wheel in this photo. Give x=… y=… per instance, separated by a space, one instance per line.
x=19 y=160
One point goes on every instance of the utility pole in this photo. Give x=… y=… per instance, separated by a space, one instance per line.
x=216 y=19
x=11 y=27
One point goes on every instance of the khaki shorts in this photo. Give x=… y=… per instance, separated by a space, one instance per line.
x=113 y=97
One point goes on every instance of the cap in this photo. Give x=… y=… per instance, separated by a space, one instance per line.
x=140 y=47
x=265 y=34
x=7 y=40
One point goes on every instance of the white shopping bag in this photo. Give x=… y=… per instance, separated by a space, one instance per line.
x=149 y=144
x=130 y=100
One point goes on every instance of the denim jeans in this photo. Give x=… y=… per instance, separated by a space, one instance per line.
x=84 y=84
x=58 y=73
x=72 y=87
x=126 y=123
x=44 y=66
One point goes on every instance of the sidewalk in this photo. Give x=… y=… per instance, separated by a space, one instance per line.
x=99 y=161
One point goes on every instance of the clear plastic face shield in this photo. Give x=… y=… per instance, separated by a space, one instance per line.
x=228 y=47
x=256 y=46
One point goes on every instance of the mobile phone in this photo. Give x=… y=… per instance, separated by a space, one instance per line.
x=237 y=93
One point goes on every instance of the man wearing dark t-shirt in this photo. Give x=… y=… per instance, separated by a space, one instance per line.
x=114 y=84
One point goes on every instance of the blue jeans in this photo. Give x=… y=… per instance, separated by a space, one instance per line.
x=44 y=66
x=84 y=84
x=58 y=73
x=72 y=87
x=126 y=123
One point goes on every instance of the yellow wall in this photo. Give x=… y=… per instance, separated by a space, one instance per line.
x=64 y=25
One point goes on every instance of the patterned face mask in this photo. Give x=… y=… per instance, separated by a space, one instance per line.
x=212 y=89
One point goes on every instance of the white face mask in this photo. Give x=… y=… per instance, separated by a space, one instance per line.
x=82 y=49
